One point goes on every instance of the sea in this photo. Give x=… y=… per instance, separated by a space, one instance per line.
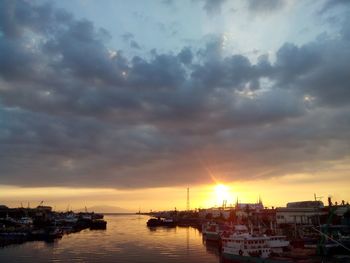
x=127 y=239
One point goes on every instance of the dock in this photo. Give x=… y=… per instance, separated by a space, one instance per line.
x=19 y=225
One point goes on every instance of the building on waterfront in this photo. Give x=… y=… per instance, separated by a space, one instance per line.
x=240 y=211
x=245 y=210
x=215 y=212
x=301 y=213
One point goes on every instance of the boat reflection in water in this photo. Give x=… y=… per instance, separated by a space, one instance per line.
x=212 y=247
x=126 y=239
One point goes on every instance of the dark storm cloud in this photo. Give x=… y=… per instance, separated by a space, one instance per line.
x=320 y=69
x=232 y=72
x=17 y=16
x=15 y=61
x=83 y=52
x=75 y=111
x=185 y=56
x=163 y=71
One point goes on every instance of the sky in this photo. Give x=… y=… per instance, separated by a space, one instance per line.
x=128 y=103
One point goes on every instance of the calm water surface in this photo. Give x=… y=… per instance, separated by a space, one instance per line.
x=127 y=239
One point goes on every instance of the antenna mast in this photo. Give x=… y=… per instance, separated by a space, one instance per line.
x=188 y=199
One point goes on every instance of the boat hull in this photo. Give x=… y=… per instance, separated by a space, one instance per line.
x=238 y=258
x=212 y=237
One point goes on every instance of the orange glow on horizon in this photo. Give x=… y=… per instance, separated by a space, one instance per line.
x=274 y=191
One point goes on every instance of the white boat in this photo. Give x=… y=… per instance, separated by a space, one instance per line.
x=246 y=245
x=237 y=230
x=215 y=232
x=242 y=245
x=277 y=243
x=70 y=218
x=25 y=221
x=86 y=216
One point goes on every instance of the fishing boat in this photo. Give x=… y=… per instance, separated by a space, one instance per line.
x=211 y=231
x=245 y=247
x=25 y=221
x=248 y=248
x=153 y=222
x=277 y=243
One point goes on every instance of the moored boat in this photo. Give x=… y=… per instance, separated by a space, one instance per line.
x=243 y=247
x=211 y=231
x=26 y=221
x=153 y=222
x=277 y=243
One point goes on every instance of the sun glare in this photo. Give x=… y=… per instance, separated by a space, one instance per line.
x=222 y=193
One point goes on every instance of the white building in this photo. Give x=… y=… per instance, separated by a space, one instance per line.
x=215 y=212
x=301 y=213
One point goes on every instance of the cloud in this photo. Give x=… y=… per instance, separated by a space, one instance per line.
x=163 y=71
x=264 y=6
x=76 y=112
x=318 y=69
x=168 y=2
x=331 y=4
x=185 y=56
x=17 y=16
x=212 y=7
x=134 y=44
x=129 y=38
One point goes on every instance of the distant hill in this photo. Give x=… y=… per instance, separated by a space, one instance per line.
x=105 y=209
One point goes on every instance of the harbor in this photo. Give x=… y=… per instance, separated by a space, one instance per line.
x=305 y=231
x=19 y=225
x=127 y=239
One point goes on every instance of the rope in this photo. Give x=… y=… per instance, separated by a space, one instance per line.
x=335 y=241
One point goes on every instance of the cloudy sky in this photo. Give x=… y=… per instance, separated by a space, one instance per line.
x=113 y=102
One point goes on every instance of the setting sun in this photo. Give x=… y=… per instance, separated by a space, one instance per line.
x=222 y=193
